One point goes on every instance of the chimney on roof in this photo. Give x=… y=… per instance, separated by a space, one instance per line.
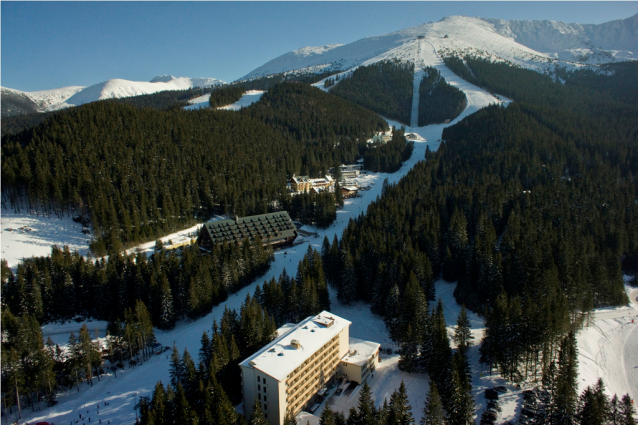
x=295 y=344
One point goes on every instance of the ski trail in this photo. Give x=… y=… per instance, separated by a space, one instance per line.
x=418 y=76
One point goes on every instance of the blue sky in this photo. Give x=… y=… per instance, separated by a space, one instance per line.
x=48 y=45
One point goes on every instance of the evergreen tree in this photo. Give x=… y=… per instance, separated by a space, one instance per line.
x=257 y=416
x=462 y=333
x=593 y=405
x=327 y=417
x=627 y=411
x=399 y=409
x=367 y=414
x=566 y=398
x=433 y=412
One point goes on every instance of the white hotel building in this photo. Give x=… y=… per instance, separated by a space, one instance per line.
x=291 y=373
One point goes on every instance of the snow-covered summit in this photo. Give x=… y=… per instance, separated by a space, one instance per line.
x=118 y=88
x=531 y=44
x=51 y=100
x=195 y=82
x=575 y=42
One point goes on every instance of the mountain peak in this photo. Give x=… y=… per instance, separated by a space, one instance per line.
x=162 y=79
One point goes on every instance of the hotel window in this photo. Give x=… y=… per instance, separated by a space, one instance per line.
x=265 y=398
x=259 y=395
x=258 y=387
x=258 y=379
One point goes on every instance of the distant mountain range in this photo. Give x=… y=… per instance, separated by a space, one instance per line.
x=537 y=45
x=16 y=102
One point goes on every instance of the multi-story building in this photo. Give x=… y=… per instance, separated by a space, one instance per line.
x=275 y=229
x=306 y=184
x=293 y=372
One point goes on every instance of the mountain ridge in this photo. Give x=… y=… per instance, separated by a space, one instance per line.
x=531 y=44
x=55 y=99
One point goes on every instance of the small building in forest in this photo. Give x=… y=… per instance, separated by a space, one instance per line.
x=276 y=229
x=349 y=191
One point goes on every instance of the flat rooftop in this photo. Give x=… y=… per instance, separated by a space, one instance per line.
x=360 y=351
x=280 y=358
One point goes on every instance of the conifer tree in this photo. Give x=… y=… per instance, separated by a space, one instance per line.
x=627 y=411
x=399 y=409
x=327 y=416
x=433 y=412
x=408 y=361
x=367 y=414
x=257 y=416
x=566 y=398
x=462 y=332
x=593 y=406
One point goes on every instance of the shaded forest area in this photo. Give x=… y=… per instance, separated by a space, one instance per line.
x=532 y=208
x=384 y=87
x=438 y=101
x=142 y=173
x=64 y=285
x=164 y=100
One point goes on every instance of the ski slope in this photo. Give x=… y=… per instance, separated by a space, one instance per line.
x=247 y=99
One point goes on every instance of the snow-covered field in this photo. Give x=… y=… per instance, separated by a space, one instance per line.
x=19 y=243
x=248 y=98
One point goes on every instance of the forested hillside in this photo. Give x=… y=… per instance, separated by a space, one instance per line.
x=64 y=285
x=438 y=101
x=139 y=173
x=532 y=208
x=384 y=87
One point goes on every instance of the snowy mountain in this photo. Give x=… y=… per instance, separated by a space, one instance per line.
x=51 y=100
x=15 y=102
x=575 y=42
x=531 y=44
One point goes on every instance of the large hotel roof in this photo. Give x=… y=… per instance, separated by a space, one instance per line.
x=280 y=357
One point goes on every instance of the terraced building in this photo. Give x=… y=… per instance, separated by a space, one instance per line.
x=275 y=229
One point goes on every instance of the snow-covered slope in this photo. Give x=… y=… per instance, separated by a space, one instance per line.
x=575 y=42
x=531 y=44
x=51 y=100
x=117 y=88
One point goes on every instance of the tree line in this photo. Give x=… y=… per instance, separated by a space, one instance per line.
x=205 y=393
x=384 y=87
x=529 y=208
x=438 y=101
x=34 y=371
x=137 y=174
x=65 y=285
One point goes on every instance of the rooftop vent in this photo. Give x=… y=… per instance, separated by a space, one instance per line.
x=324 y=321
x=280 y=354
x=295 y=344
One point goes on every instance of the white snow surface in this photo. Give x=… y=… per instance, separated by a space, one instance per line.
x=247 y=99
x=118 y=88
x=65 y=97
x=517 y=42
x=19 y=242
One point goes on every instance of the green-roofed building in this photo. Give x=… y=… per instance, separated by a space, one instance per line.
x=275 y=229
